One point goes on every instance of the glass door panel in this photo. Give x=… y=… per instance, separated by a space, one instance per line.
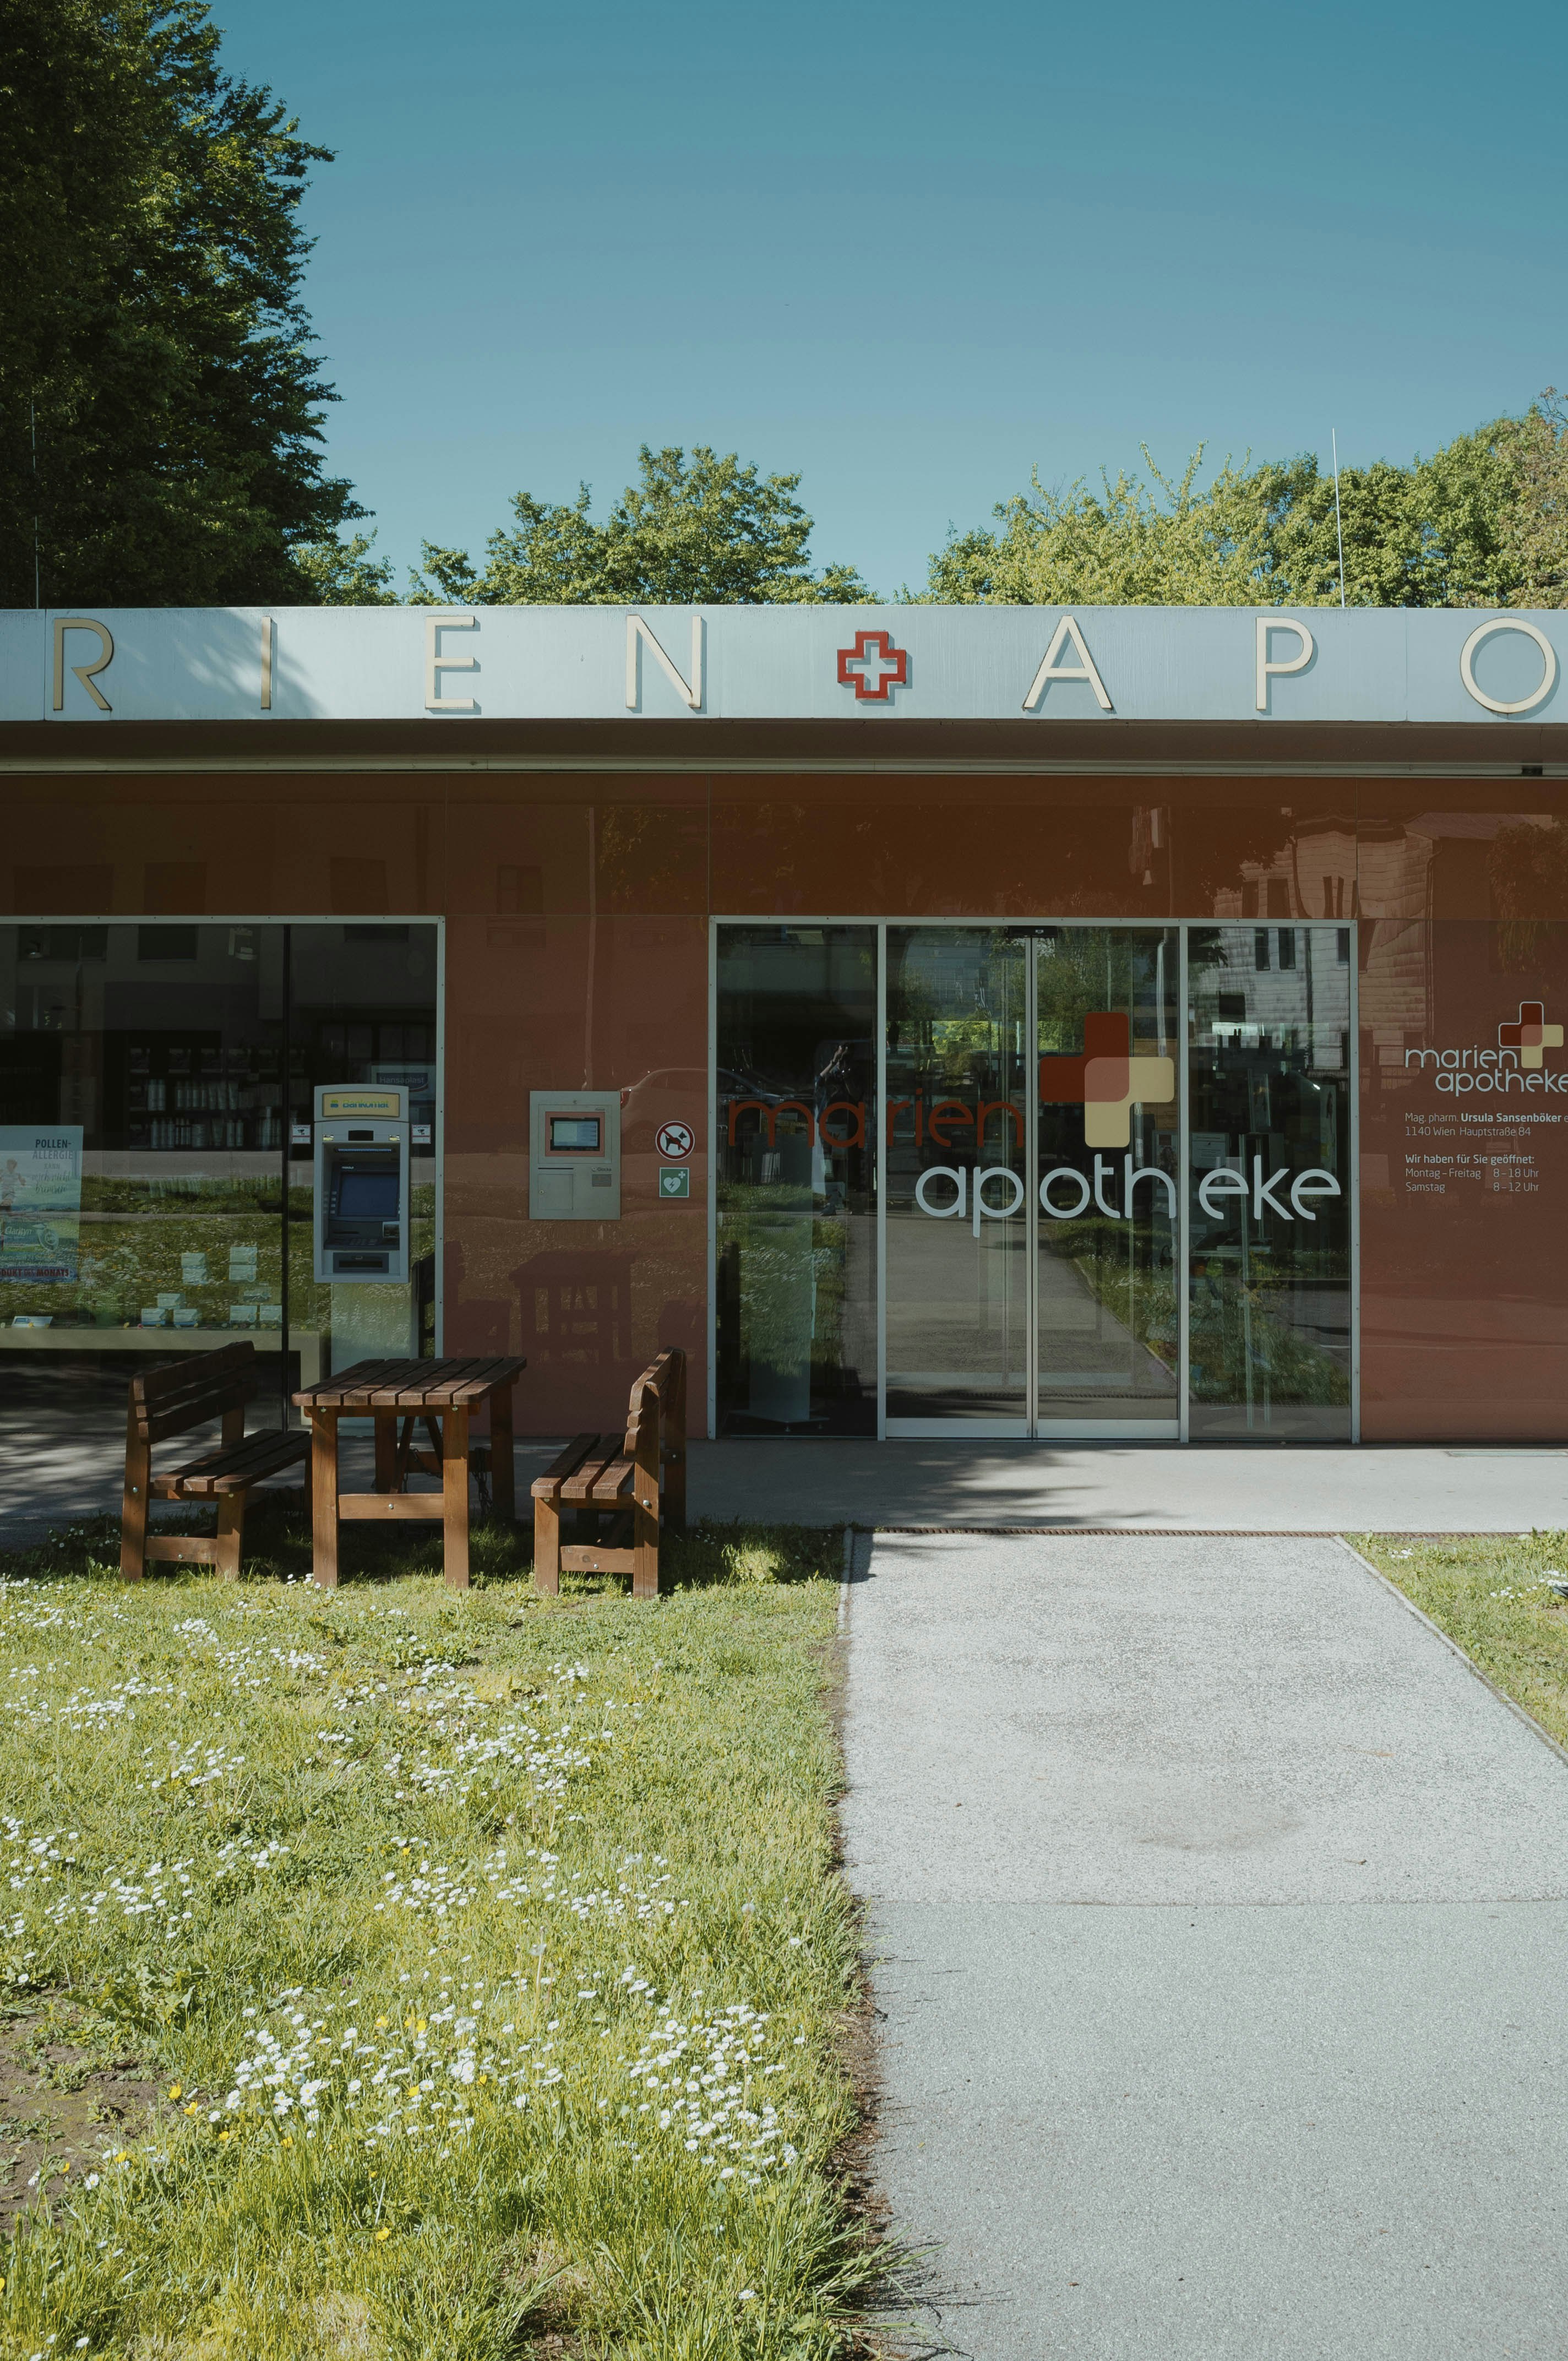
x=1269 y=1181
x=1106 y=1003
x=957 y=1135
x=796 y=1236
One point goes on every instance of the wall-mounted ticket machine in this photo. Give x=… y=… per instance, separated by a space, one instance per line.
x=362 y=1184
x=574 y=1165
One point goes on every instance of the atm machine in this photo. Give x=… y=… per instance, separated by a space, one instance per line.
x=361 y=1218
x=362 y=1186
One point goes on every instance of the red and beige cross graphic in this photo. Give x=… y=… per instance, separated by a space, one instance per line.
x=1108 y=1079
x=1532 y=1034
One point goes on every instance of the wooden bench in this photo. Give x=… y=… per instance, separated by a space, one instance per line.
x=617 y=1475
x=171 y=1402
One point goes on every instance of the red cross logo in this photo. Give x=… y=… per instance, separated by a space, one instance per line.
x=1108 y=1079
x=874 y=667
x=1532 y=1034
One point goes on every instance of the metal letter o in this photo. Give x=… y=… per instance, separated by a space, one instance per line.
x=1058 y=1212
x=1519 y=703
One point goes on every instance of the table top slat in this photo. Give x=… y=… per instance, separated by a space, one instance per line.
x=490 y=1378
x=340 y=1392
x=412 y=1386
x=434 y=1390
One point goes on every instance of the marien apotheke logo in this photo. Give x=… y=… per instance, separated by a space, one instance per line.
x=1517 y=1063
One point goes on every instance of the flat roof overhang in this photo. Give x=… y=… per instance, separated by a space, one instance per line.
x=882 y=745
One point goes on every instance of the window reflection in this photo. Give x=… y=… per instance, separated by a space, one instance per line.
x=796 y=1247
x=1269 y=1076
x=959 y=1180
x=155 y=1085
x=1107 y=1285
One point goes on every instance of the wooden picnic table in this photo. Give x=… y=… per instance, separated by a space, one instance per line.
x=442 y=1396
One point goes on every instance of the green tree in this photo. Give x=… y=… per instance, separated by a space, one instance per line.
x=340 y=573
x=1441 y=533
x=1132 y=544
x=1536 y=533
x=703 y=530
x=160 y=403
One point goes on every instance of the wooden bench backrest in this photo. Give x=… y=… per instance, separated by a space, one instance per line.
x=665 y=1380
x=188 y=1393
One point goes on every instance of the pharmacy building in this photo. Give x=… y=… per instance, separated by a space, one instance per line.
x=1123 y=1023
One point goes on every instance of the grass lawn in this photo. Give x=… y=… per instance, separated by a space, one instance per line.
x=392 y=1973
x=1492 y=1593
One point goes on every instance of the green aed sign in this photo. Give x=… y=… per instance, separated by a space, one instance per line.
x=674 y=1180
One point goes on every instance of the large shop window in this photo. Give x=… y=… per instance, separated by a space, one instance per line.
x=156 y=1189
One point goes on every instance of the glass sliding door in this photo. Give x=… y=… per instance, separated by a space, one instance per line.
x=959 y=1135
x=1269 y=1181
x=1107 y=1263
x=1058 y=1179
x=796 y=1243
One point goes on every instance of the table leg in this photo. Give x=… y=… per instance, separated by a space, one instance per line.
x=386 y=1450
x=454 y=1495
x=324 y=1496
x=503 y=1470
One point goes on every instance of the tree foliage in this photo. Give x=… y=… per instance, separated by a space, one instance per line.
x=160 y=402
x=339 y=573
x=691 y=531
x=1535 y=538
x=1442 y=532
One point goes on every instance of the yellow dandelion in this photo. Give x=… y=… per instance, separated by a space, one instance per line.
x=192 y=2110
x=224 y=2135
x=383 y=2234
x=483 y=2078
x=288 y=2139
x=174 y=2090
x=420 y=2028
x=380 y=2022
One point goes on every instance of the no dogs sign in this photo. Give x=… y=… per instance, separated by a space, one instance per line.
x=675 y=1140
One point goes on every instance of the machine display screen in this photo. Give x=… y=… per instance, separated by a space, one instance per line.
x=367 y=1196
x=582 y=1133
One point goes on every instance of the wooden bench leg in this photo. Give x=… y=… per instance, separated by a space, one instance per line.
x=547 y=1546
x=133 y=1508
x=324 y=1497
x=646 y=1551
x=455 y=1495
x=231 y=1534
x=503 y=1471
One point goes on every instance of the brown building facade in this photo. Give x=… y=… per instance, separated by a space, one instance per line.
x=1171 y=1077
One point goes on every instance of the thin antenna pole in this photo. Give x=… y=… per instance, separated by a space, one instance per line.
x=1338 y=524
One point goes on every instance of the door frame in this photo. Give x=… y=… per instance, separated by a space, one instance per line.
x=1132 y=1430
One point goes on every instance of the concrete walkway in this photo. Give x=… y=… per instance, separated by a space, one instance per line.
x=1220 y=1915
x=63 y=1459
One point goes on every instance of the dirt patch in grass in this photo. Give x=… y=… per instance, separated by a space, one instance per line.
x=57 y=2110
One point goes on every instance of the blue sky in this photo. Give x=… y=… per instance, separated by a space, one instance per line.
x=911 y=249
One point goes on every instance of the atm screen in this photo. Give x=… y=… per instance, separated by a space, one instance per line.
x=367 y=1196
x=578 y=1132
